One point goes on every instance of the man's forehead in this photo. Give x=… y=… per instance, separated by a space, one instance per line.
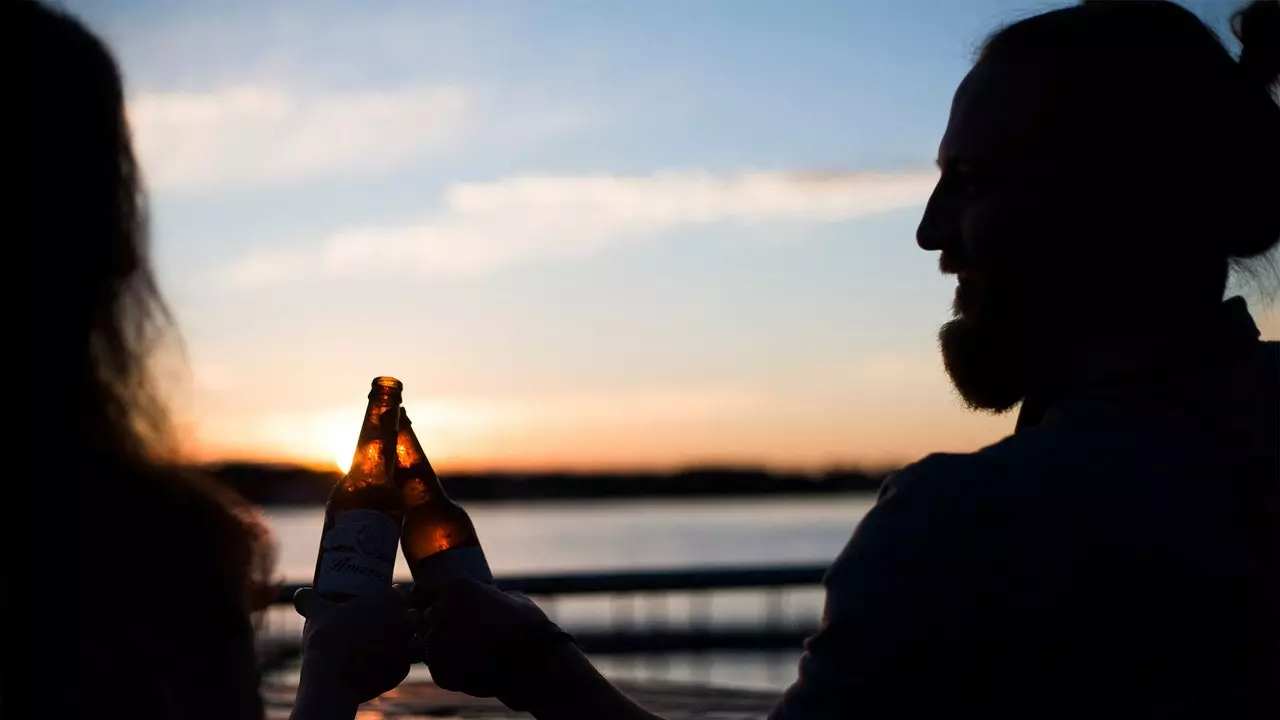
x=999 y=111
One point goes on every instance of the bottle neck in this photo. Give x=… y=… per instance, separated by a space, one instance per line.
x=419 y=479
x=375 y=455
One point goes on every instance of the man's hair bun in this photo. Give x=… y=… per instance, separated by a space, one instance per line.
x=1257 y=27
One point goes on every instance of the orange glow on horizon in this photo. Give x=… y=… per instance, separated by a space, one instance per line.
x=886 y=414
x=598 y=462
x=885 y=444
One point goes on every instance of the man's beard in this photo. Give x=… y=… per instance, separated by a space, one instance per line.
x=985 y=359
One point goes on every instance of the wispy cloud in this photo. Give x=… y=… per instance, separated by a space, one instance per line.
x=255 y=134
x=485 y=226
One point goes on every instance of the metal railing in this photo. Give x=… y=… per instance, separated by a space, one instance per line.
x=631 y=581
x=623 y=635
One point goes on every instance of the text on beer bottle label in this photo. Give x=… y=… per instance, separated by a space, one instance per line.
x=358 y=554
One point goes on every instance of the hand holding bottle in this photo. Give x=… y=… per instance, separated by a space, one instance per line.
x=355 y=642
x=352 y=651
x=485 y=642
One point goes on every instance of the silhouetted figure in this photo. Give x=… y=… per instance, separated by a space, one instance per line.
x=1103 y=167
x=165 y=567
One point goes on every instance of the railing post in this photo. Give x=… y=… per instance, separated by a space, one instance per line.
x=658 y=664
x=773 y=608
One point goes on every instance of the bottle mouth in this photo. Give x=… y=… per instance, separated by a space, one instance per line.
x=387 y=389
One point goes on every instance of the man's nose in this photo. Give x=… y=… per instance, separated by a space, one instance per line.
x=937 y=229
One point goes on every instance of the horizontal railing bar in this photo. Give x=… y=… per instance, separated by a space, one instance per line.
x=627 y=642
x=656 y=580
x=633 y=642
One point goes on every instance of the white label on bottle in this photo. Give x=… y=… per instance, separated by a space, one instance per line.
x=452 y=564
x=358 y=554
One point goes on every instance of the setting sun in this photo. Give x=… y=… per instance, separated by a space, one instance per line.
x=340 y=441
x=342 y=460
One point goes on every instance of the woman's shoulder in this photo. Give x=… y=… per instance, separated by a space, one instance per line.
x=169 y=527
x=168 y=564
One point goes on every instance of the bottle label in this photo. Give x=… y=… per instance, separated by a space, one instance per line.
x=358 y=554
x=452 y=564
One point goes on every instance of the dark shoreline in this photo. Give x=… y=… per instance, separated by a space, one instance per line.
x=273 y=485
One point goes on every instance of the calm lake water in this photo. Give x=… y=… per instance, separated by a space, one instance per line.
x=558 y=537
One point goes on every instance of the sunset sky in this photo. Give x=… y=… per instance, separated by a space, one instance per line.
x=582 y=233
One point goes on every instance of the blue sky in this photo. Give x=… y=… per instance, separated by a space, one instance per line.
x=582 y=233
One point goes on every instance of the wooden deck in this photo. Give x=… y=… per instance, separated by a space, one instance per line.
x=424 y=700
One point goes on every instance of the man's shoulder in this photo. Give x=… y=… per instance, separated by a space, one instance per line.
x=937 y=514
x=1002 y=468
x=937 y=473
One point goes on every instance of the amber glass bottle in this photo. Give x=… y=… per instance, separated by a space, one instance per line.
x=365 y=510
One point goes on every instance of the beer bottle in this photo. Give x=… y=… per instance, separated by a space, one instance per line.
x=365 y=509
x=438 y=539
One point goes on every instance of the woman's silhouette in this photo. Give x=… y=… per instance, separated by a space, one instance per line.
x=166 y=566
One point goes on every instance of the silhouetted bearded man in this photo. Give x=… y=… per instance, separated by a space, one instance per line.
x=1103 y=167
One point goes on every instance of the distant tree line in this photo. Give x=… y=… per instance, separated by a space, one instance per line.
x=293 y=485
